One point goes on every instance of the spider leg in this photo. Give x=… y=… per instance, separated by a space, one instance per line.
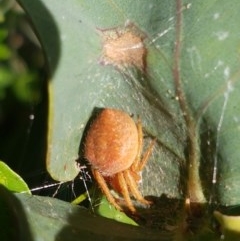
x=133 y=187
x=124 y=191
x=139 y=163
x=140 y=145
x=146 y=156
x=103 y=185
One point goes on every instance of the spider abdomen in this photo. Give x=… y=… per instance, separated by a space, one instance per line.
x=111 y=144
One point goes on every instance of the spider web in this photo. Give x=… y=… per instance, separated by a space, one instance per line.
x=213 y=107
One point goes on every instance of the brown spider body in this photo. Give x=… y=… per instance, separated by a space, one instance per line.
x=113 y=148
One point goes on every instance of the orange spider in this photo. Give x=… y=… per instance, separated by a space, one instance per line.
x=113 y=147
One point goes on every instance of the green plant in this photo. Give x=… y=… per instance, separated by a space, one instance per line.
x=21 y=89
x=187 y=97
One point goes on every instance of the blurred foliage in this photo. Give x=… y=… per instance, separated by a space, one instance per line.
x=24 y=101
x=20 y=57
x=22 y=92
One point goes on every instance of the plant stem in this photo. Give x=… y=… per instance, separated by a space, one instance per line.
x=194 y=187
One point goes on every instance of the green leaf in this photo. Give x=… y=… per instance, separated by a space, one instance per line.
x=13 y=222
x=51 y=219
x=210 y=76
x=80 y=83
x=187 y=97
x=11 y=180
x=5 y=52
x=104 y=209
x=230 y=226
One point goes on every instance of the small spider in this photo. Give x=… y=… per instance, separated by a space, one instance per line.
x=113 y=147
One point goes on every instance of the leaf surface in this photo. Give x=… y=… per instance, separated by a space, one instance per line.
x=187 y=97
